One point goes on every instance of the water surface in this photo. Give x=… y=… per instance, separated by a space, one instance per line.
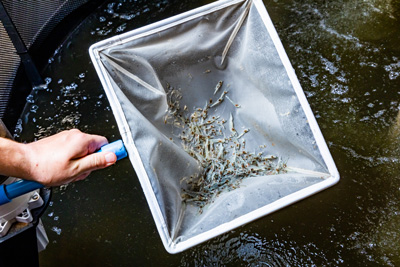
x=347 y=57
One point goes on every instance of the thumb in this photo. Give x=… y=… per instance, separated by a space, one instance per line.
x=96 y=161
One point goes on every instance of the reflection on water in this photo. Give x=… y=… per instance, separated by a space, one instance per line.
x=347 y=57
x=250 y=249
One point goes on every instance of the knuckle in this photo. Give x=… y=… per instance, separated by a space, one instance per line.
x=76 y=133
x=97 y=161
x=75 y=130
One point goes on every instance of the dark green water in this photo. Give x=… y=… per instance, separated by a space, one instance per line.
x=347 y=57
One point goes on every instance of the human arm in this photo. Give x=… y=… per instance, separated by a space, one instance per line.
x=59 y=159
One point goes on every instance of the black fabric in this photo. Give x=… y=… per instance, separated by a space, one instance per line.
x=36 y=28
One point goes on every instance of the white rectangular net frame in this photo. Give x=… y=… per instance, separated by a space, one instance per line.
x=231 y=48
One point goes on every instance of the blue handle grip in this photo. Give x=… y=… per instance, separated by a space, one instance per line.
x=21 y=187
x=117 y=147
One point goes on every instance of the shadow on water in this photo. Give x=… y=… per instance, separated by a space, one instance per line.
x=347 y=57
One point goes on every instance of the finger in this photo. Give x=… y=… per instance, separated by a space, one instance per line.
x=82 y=176
x=95 y=161
x=96 y=142
x=88 y=145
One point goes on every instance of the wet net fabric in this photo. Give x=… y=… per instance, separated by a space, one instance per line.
x=228 y=42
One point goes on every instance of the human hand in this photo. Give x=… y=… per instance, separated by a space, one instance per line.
x=66 y=157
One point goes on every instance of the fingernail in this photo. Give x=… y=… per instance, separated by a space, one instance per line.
x=110 y=157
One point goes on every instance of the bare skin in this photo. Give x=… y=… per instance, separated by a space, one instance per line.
x=59 y=159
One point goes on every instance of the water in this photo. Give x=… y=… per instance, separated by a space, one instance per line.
x=347 y=57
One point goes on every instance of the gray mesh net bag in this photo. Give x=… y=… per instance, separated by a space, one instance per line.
x=214 y=119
